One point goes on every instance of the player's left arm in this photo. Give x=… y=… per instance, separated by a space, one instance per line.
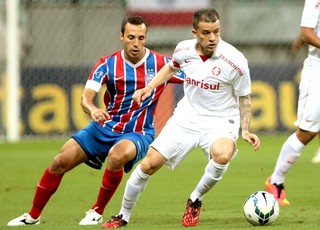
x=245 y=113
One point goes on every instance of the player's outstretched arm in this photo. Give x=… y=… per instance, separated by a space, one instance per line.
x=245 y=112
x=163 y=75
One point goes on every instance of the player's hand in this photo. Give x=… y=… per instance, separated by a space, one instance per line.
x=252 y=139
x=141 y=94
x=100 y=115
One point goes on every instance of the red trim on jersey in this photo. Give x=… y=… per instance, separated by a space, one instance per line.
x=204 y=57
x=176 y=64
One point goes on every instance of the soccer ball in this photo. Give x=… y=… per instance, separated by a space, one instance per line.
x=261 y=208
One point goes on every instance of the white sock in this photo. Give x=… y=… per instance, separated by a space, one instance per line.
x=212 y=174
x=290 y=152
x=135 y=185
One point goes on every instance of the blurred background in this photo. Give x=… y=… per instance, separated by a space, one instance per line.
x=48 y=48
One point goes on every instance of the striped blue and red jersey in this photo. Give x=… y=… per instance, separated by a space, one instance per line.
x=122 y=79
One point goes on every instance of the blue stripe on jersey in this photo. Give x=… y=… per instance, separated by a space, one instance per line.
x=111 y=63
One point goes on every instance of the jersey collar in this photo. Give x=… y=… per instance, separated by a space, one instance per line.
x=138 y=63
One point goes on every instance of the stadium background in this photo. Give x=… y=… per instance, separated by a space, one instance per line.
x=61 y=40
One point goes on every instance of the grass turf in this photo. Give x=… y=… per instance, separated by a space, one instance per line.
x=162 y=204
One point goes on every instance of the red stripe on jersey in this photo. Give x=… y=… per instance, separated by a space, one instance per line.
x=141 y=71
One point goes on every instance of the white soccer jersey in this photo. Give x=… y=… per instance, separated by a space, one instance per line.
x=308 y=113
x=311 y=19
x=211 y=87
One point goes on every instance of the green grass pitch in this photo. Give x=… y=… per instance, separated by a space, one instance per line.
x=162 y=204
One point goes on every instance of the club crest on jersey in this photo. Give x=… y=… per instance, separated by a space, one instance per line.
x=216 y=71
x=150 y=76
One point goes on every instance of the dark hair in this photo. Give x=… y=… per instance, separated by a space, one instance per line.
x=205 y=15
x=135 y=20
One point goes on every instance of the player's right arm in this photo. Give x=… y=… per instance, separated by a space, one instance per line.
x=88 y=106
x=162 y=76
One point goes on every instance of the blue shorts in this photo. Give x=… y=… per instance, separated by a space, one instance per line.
x=96 y=142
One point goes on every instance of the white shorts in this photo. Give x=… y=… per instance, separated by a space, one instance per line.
x=179 y=136
x=309 y=99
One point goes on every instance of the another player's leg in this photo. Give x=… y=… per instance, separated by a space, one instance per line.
x=290 y=152
x=135 y=185
x=70 y=156
x=110 y=183
x=316 y=158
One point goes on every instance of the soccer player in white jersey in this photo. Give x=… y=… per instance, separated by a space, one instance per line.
x=217 y=100
x=308 y=104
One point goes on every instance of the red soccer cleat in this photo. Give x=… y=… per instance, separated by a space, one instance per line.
x=192 y=213
x=277 y=191
x=115 y=222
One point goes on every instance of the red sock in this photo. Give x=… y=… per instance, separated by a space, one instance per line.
x=110 y=183
x=46 y=187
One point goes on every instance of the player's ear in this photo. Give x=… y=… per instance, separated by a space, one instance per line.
x=194 y=32
x=121 y=36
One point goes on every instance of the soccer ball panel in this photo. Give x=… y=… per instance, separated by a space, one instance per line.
x=261 y=208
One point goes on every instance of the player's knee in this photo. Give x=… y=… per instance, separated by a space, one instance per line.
x=117 y=160
x=58 y=166
x=221 y=159
x=147 y=167
x=221 y=156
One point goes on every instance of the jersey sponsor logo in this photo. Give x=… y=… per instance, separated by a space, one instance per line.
x=202 y=84
x=234 y=66
x=98 y=74
x=180 y=49
x=179 y=74
x=216 y=71
x=118 y=78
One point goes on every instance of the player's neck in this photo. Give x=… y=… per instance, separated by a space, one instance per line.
x=202 y=52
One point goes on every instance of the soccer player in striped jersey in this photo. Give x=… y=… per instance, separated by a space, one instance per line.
x=121 y=132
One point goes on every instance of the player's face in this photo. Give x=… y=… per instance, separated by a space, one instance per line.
x=208 y=36
x=134 y=40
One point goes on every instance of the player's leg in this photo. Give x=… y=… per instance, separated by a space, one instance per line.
x=121 y=153
x=170 y=148
x=221 y=151
x=316 y=158
x=71 y=154
x=135 y=185
x=309 y=125
x=122 y=156
x=290 y=152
